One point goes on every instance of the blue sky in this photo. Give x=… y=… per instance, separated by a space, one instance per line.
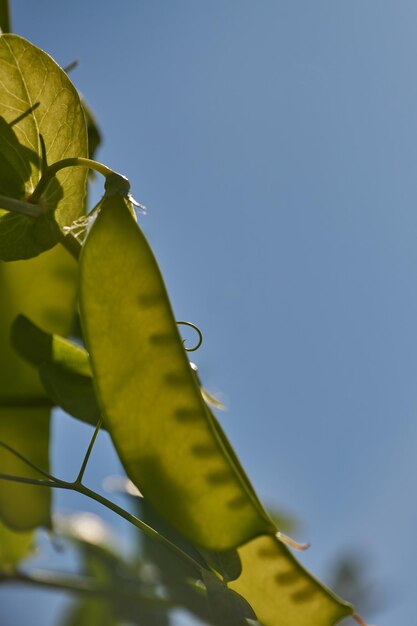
x=275 y=146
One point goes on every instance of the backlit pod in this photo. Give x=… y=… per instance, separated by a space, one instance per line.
x=170 y=444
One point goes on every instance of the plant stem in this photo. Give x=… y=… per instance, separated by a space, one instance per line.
x=81 y=473
x=27 y=462
x=53 y=169
x=28 y=481
x=147 y=530
x=20 y=206
x=77 y=584
x=78 y=487
x=50 y=580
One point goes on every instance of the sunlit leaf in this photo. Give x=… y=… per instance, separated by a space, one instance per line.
x=281 y=591
x=151 y=403
x=38 y=100
x=14 y=546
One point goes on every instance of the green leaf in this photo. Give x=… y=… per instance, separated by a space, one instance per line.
x=228 y=607
x=23 y=237
x=70 y=391
x=164 y=433
x=281 y=591
x=38 y=99
x=14 y=546
x=225 y=563
x=63 y=367
x=39 y=347
x=22 y=507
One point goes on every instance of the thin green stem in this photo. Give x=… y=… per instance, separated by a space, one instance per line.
x=50 y=580
x=147 y=530
x=28 y=481
x=20 y=206
x=78 y=584
x=78 y=487
x=26 y=461
x=78 y=480
x=53 y=169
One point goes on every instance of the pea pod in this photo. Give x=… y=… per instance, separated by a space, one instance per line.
x=281 y=591
x=169 y=442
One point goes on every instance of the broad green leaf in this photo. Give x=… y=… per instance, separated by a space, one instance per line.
x=227 y=606
x=64 y=369
x=38 y=347
x=23 y=237
x=70 y=391
x=164 y=433
x=14 y=546
x=281 y=591
x=23 y=507
x=38 y=99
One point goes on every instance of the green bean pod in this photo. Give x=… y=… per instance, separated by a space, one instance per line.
x=168 y=440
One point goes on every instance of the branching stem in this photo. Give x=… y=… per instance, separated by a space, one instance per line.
x=78 y=584
x=20 y=206
x=27 y=462
x=81 y=473
x=77 y=486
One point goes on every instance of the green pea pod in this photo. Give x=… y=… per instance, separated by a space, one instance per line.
x=44 y=289
x=166 y=437
x=14 y=546
x=26 y=429
x=281 y=591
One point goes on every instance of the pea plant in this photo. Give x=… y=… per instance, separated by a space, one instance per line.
x=205 y=541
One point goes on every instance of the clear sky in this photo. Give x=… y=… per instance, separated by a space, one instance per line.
x=275 y=146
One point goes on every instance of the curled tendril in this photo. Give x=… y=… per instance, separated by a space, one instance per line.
x=198 y=331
